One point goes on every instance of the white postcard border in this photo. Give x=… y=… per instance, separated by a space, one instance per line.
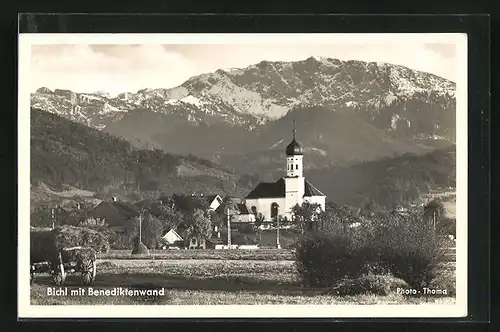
x=26 y=310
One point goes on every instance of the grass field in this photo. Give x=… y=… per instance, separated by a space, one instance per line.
x=204 y=282
x=212 y=254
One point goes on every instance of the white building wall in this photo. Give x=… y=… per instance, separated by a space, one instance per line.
x=171 y=237
x=244 y=218
x=294 y=166
x=263 y=205
x=294 y=193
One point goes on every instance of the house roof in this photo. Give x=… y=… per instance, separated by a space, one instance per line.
x=203 y=198
x=277 y=190
x=122 y=210
x=211 y=198
x=175 y=233
x=125 y=209
x=242 y=208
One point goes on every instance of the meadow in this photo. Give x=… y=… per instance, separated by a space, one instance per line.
x=201 y=281
x=211 y=254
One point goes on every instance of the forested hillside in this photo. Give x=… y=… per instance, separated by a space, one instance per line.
x=388 y=182
x=68 y=153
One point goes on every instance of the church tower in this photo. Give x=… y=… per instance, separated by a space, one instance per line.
x=294 y=179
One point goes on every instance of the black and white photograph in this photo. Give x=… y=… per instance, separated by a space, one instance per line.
x=242 y=175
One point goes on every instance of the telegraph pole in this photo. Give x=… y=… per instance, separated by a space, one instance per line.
x=140 y=228
x=228 y=229
x=53 y=217
x=278 y=245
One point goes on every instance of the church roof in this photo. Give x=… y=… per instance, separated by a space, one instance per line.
x=277 y=190
x=268 y=190
x=294 y=148
x=310 y=190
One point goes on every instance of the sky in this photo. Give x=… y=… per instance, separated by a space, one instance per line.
x=128 y=68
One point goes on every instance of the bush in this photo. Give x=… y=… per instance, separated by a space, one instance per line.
x=445 y=279
x=402 y=246
x=369 y=284
x=447 y=227
x=323 y=259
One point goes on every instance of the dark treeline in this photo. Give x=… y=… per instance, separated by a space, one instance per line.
x=65 y=152
x=390 y=182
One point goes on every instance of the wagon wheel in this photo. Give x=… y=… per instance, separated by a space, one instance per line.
x=59 y=275
x=88 y=271
x=32 y=273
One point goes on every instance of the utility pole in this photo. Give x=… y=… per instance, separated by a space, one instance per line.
x=140 y=228
x=278 y=245
x=53 y=217
x=228 y=229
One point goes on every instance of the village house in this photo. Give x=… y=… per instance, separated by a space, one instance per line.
x=210 y=203
x=117 y=214
x=274 y=199
x=172 y=239
x=243 y=215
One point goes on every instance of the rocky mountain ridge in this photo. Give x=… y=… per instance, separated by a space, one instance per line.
x=393 y=98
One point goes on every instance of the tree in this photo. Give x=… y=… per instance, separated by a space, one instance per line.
x=305 y=215
x=163 y=209
x=96 y=223
x=434 y=212
x=259 y=219
x=188 y=204
x=199 y=225
x=151 y=230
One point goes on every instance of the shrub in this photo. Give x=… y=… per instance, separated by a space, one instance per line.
x=445 y=279
x=403 y=246
x=323 y=259
x=368 y=284
x=410 y=250
x=447 y=227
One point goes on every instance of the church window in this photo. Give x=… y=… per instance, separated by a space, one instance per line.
x=297 y=166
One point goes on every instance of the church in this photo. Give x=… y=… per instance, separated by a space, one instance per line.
x=278 y=198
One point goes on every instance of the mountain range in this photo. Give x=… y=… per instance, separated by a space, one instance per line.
x=231 y=116
x=233 y=125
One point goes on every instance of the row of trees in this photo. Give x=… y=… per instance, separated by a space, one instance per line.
x=310 y=216
x=155 y=217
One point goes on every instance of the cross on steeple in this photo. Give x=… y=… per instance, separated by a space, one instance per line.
x=294 y=130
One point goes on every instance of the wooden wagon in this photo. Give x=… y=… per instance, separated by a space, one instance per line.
x=68 y=260
x=64 y=250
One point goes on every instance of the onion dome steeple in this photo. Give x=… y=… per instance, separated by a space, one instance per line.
x=294 y=147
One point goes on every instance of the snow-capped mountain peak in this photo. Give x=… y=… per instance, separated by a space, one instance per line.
x=382 y=93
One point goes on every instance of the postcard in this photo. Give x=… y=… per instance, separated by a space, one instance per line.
x=242 y=175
